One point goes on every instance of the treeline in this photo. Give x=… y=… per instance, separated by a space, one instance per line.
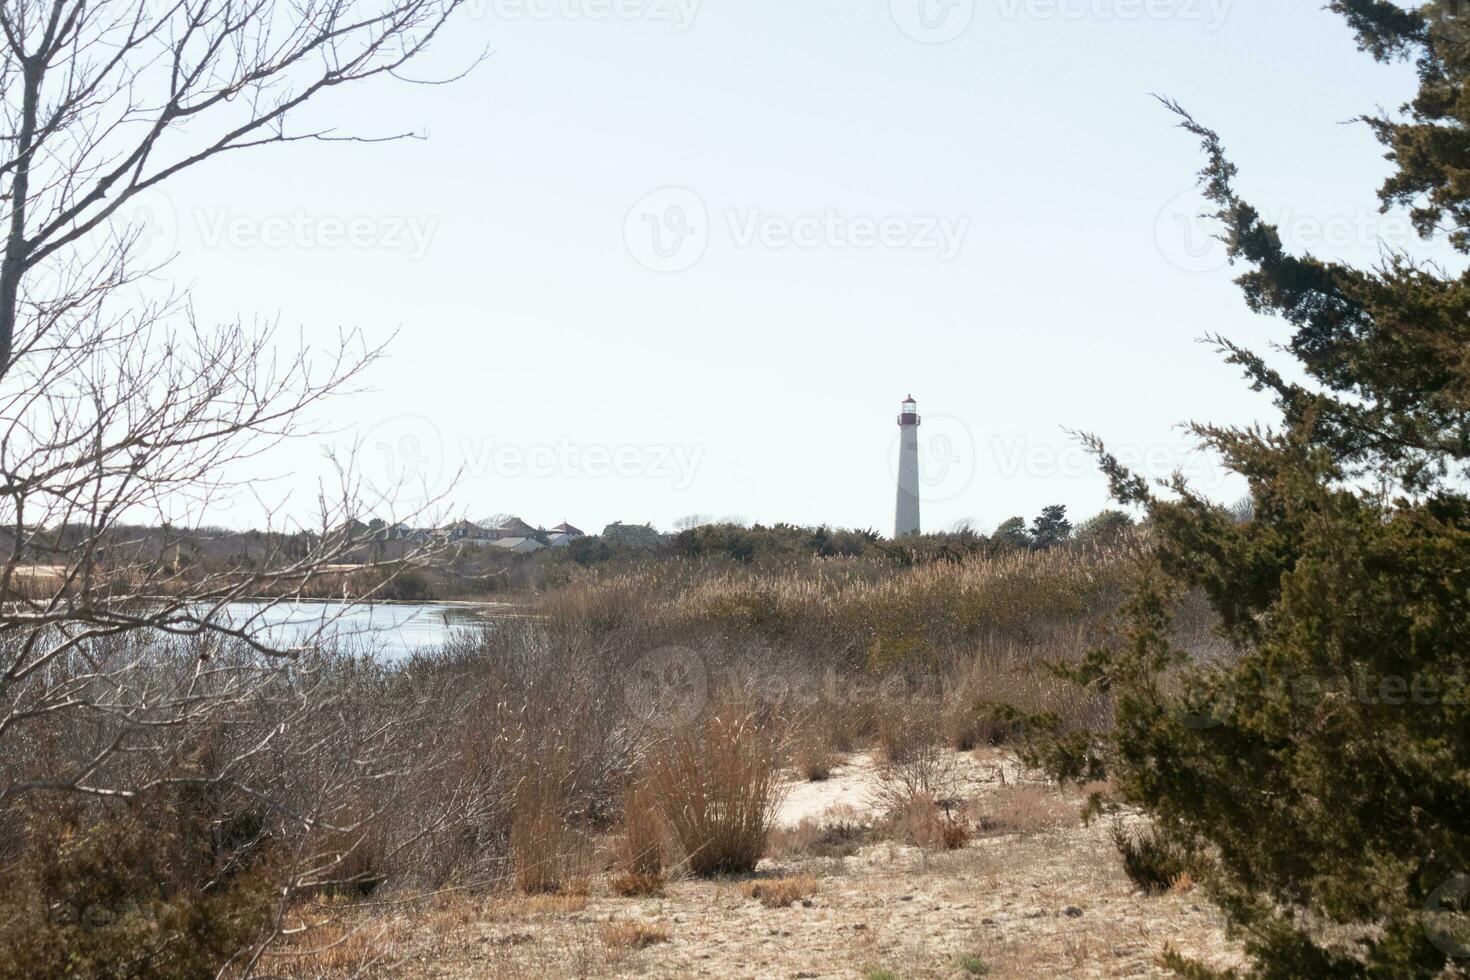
x=768 y=545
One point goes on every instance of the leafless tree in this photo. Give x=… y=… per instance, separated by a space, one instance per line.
x=123 y=420
x=117 y=410
x=102 y=100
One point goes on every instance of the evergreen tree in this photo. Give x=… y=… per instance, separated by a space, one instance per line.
x=1324 y=770
x=1050 y=527
x=1012 y=533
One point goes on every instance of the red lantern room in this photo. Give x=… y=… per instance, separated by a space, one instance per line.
x=910 y=415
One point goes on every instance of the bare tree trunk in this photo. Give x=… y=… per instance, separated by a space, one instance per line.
x=13 y=263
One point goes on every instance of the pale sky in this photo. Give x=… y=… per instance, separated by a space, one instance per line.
x=669 y=257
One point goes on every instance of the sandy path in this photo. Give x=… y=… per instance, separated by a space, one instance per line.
x=1043 y=904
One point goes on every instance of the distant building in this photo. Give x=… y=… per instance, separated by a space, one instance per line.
x=563 y=534
x=512 y=527
x=466 y=531
x=519 y=546
x=510 y=534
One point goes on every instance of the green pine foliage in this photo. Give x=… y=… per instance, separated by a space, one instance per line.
x=1324 y=767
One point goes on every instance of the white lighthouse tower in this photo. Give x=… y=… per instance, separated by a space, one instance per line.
x=906 y=516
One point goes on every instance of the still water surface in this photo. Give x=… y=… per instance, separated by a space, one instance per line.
x=393 y=630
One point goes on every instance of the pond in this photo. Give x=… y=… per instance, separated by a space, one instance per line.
x=391 y=630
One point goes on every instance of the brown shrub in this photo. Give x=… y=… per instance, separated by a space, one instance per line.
x=642 y=843
x=1002 y=683
x=1023 y=810
x=547 y=851
x=931 y=827
x=780 y=893
x=845 y=719
x=838 y=833
x=635 y=885
x=717 y=782
x=1155 y=864
x=634 y=934
x=561 y=904
x=138 y=890
x=905 y=730
x=925 y=770
x=812 y=754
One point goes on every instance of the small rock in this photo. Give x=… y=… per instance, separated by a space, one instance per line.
x=987 y=922
x=906 y=898
x=1072 y=912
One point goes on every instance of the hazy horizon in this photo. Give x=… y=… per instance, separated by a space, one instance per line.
x=660 y=258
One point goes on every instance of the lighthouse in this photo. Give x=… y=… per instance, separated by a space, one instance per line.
x=906 y=515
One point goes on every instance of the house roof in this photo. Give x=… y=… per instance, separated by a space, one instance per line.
x=565 y=528
x=514 y=544
x=518 y=526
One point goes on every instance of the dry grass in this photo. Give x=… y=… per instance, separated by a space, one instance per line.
x=642 y=844
x=550 y=904
x=634 y=934
x=840 y=832
x=634 y=885
x=812 y=755
x=930 y=827
x=717 y=783
x=915 y=766
x=1000 y=682
x=546 y=850
x=780 y=893
x=1024 y=810
x=335 y=947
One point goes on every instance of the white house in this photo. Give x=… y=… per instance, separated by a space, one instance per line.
x=562 y=535
x=519 y=546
